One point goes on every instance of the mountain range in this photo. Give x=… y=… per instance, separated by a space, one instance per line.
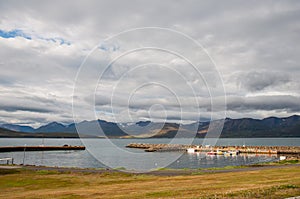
x=233 y=128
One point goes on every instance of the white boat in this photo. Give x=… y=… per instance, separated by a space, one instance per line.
x=232 y=153
x=218 y=152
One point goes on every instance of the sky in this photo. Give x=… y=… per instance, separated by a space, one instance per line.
x=83 y=60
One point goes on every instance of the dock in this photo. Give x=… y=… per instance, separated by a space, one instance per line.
x=40 y=148
x=280 y=150
x=7 y=160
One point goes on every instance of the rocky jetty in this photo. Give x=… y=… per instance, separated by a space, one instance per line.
x=294 y=150
x=160 y=147
x=40 y=148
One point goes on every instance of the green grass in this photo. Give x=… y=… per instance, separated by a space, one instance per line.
x=267 y=183
x=120 y=168
x=273 y=191
x=35 y=182
x=289 y=162
x=282 y=162
x=163 y=169
x=225 y=168
x=46 y=172
x=9 y=171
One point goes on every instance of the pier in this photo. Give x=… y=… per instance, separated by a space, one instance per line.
x=280 y=150
x=7 y=160
x=40 y=148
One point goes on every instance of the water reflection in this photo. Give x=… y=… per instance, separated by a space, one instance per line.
x=202 y=160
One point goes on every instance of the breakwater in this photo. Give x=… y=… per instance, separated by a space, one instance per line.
x=40 y=148
x=291 y=150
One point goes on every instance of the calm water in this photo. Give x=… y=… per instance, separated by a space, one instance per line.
x=104 y=153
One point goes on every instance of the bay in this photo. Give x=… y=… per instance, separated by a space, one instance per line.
x=104 y=153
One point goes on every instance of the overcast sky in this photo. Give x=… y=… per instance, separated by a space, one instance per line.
x=250 y=58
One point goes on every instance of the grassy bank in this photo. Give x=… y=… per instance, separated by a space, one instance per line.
x=275 y=182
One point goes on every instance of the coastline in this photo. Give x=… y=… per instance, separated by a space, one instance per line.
x=161 y=171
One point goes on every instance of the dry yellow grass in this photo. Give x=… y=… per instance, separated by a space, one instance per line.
x=268 y=183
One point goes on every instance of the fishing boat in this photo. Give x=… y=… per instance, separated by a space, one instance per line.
x=191 y=150
x=218 y=152
x=211 y=153
x=232 y=153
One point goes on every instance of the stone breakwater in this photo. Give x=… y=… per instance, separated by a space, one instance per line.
x=160 y=147
x=289 y=150
x=40 y=148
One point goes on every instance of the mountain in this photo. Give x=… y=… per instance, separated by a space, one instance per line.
x=18 y=128
x=91 y=128
x=97 y=128
x=143 y=123
x=236 y=128
x=51 y=127
x=9 y=133
x=268 y=127
x=171 y=130
x=233 y=128
x=5 y=133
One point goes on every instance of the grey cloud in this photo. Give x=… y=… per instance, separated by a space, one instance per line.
x=257 y=41
x=267 y=103
x=27 y=108
x=257 y=81
x=34 y=104
x=248 y=106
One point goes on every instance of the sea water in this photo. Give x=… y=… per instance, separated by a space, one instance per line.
x=100 y=154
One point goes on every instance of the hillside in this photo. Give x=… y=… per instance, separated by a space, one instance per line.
x=233 y=128
x=268 y=127
x=18 y=128
x=5 y=133
x=239 y=128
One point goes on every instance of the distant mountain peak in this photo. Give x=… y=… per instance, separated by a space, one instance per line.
x=51 y=127
x=293 y=116
x=143 y=123
x=18 y=128
x=54 y=123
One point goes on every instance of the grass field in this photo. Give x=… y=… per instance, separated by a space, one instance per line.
x=267 y=183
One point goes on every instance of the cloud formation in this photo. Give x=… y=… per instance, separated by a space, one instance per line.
x=258 y=81
x=253 y=44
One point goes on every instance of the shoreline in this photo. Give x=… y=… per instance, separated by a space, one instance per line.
x=161 y=171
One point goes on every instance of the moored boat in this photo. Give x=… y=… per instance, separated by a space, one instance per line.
x=211 y=153
x=191 y=150
x=232 y=153
x=218 y=152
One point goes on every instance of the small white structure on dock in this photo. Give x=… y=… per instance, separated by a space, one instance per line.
x=191 y=150
x=282 y=158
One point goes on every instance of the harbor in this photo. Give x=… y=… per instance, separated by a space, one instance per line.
x=279 y=150
x=83 y=159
